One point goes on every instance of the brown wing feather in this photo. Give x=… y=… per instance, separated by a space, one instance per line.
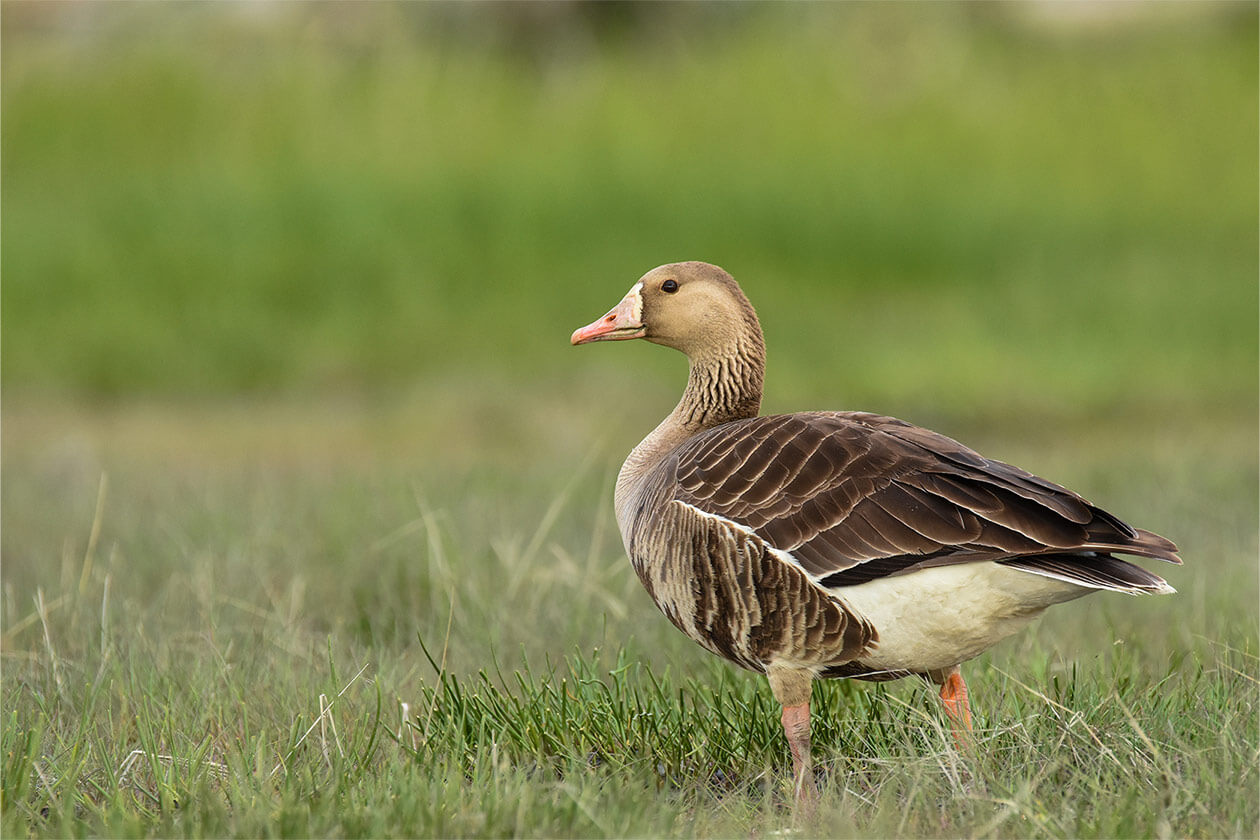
x=855 y=496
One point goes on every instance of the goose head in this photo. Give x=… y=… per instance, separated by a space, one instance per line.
x=693 y=307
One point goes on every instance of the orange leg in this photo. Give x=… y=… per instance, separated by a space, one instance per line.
x=954 y=698
x=796 y=728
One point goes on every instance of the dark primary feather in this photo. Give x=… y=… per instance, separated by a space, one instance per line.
x=856 y=496
x=1097 y=570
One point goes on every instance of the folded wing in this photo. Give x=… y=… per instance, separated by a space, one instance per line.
x=854 y=496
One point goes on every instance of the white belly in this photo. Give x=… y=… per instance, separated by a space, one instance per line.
x=939 y=617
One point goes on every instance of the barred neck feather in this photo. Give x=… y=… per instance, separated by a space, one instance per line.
x=724 y=386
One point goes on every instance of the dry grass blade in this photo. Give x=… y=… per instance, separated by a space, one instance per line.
x=54 y=663
x=324 y=710
x=126 y=769
x=89 y=554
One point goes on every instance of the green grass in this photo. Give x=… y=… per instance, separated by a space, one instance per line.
x=291 y=423
x=222 y=596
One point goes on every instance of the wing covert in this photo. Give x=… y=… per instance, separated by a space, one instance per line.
x=854 y=496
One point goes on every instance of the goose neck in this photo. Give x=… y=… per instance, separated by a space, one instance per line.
x=721 y=387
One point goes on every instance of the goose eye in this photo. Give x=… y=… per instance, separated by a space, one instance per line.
x=669 y=286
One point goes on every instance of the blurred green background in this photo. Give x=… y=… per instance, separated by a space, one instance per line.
x=950 y=209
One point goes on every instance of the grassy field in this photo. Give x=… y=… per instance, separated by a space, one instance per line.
x=307 y=522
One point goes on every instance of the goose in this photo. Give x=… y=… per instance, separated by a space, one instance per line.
x=830 y=544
